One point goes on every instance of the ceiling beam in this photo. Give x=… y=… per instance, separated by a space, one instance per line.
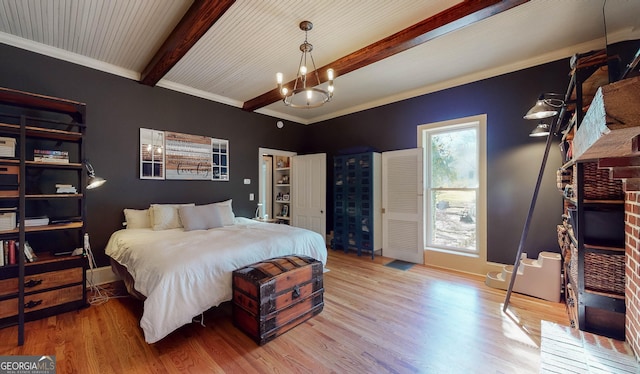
x=194 y=24
x=461 y=15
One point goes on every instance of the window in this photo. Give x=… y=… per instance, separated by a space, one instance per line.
x=454 y=185
x=151 y=154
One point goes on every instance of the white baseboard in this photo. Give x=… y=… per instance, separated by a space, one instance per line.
x=101 y=275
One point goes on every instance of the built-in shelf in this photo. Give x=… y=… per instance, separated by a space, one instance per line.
x=606 y=202
x=32 y=131
x=51 y=227
x=604 y=294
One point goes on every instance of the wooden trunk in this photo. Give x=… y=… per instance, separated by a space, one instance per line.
x=273 y=296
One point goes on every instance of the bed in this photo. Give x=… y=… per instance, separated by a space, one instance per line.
x=183 y=272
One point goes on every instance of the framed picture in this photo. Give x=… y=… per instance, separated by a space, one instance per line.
x=285 y=211
x=173 y=155
x=188 y=157
x=285 y=197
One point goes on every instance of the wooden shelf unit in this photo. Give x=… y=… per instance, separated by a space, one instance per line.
x=51 y=284
x=598 y=208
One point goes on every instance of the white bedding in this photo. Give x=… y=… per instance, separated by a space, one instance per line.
x=184 y=273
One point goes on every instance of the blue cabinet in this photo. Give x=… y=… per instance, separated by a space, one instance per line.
x=357 y=211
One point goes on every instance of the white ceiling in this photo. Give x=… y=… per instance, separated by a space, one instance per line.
x=237 y=59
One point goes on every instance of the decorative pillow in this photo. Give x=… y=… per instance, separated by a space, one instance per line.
x=200 y=217
x=226 y=212
x=137 y=218
x=166 y=216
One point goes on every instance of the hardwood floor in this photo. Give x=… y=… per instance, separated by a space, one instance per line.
x=376 y=319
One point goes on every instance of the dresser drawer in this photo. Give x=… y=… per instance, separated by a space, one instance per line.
x=42 y=300
x=42 y=281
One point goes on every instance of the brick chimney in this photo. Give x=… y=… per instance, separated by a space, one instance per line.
x=632 y=275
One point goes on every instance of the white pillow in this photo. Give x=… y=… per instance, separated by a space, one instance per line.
x=166 y=216
x=200 y=217
x=137 y=218
x=226 y=212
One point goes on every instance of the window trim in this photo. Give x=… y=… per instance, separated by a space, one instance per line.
x=473 y=262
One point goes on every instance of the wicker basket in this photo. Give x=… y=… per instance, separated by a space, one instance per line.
x=604 y=272
x=598 y=184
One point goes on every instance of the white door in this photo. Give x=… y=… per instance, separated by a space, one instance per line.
x=402 y=205
x=309 y=192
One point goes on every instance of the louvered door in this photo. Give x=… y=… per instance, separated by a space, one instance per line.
x=402 y=205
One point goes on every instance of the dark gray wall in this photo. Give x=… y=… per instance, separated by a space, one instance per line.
x=513 y=158
x=118 y=107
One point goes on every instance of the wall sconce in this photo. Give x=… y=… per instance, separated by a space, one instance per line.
x=93 y=181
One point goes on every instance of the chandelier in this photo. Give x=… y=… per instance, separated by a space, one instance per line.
x=306 y=93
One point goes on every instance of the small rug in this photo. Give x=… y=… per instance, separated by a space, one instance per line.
x=567 y=350
x=400 y=265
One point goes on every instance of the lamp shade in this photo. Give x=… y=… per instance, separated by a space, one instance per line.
x=541 y=110
x=92 y=180
x=95 y=182
x=541 y=130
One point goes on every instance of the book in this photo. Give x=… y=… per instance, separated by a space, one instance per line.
x=36 y=221
x=29 y=253
x=46 y=152
x=43 y=155
x=11 y=248
x=53 y=160
x=2 y=255
x=57 y=220
x=66 y=190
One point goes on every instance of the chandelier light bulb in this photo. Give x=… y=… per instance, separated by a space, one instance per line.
x=279 y=78
x=284 y=91
x=303 y=70
x=309 y=94
x=330 y=88
x=330 y=74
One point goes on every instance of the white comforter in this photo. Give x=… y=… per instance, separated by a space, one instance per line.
x=184 y=273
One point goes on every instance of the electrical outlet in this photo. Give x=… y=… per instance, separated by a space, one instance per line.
x=251 y=197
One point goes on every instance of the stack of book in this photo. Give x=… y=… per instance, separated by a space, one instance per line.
x=65 y=188
x=36 y=221
x=58 y=157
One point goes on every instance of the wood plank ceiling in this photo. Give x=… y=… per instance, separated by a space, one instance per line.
x=203 y=14
x=229 y=51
